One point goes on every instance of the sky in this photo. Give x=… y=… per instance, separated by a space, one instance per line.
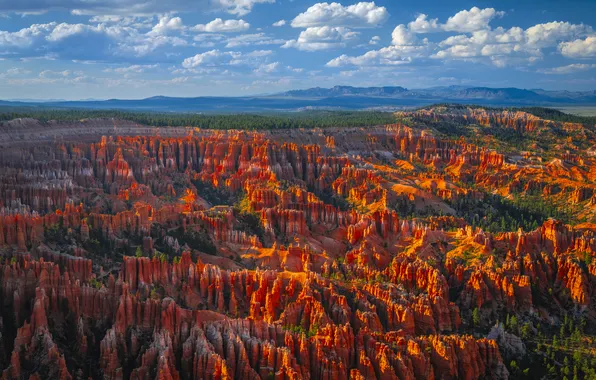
x=132 y=49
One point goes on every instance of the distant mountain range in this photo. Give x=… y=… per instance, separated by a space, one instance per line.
x=338 y=97
x=452 y=93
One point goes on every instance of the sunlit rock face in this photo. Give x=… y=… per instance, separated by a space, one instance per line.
x=133 y=253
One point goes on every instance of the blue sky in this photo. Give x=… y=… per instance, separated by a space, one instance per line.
x=78 y=49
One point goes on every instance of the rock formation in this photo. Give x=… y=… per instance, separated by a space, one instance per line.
x=197 y=254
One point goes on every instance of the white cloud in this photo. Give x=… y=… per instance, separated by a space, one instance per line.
x=548 y=34
x=239 y=7
x=33 y=13
x=167 y=25
x=178 y=80
x=129 y=7
x=403 y=36
x=477 y=42
x=472 y=20
x=502 y=46
x=220 y=26
x=210 y=58
x=64 y=31
x=267 y=84
x=363 y=14
x=47 y=79
x=260 y=53
x=107 y=19
x=321 y=38
x=85 y=42
x=132 y=44
x=134 y=21
x=219 y=58
x=268 y=68
x=388 y=56
x=60 y=74
x=375 y=40
x=208 y=40
x=569 y=69
x=131 y=69
x=17 y=71
x=252 y=40
x=579 y=48
x=423 y=25
x=26 y=36
x=15 y=77
x=199 y=70
x=14 y=72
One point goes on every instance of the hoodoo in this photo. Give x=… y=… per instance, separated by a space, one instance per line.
x=389 y=252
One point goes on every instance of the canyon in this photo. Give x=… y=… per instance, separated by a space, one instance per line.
x=382 y=252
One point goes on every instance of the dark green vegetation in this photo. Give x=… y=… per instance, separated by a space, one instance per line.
x=216 y=196
x=541 y=112
x=556 y=115
x=494 y=213
x=310 y=119
x=56 y=234
x=198 y=239
x=247 y=220
x=331 y=198
x=567 y=353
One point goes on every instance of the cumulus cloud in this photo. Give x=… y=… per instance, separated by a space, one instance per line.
x=83 y=41
x=501 y=45
x=579 y=48
x=166 y=25
x=129 y=7
x=220 y=26
x=403 y=36
x=472 y=20
x=321 y=38
x=375 y=40
x=131 y=43
x=239 y=7
x=550 y=33
x=359 y=15
x=25 y=37
x=63 y=31
x=388 y=56
x=423 y=25
x=210 y=58
x=477 y=41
